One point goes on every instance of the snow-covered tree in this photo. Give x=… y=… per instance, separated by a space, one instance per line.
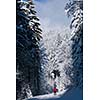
x=28 y=35
x=43 y=73
x=74 y=9
x=56 y=58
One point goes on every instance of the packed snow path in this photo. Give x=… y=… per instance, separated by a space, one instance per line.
x=74 y=94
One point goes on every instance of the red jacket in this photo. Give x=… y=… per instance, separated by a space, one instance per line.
x=55 y=90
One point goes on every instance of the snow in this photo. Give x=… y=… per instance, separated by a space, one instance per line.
x=57 y=50
x=48 y=96
x=73 y=94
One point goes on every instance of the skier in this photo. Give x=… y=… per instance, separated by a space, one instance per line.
x=55 y=89
x=54 y=75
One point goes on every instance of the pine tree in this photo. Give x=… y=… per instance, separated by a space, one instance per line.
x=28 y=35
x=44 y=64
x=74 y=10
x=55 y=54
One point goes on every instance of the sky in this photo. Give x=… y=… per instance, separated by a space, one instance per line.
x=51 y=14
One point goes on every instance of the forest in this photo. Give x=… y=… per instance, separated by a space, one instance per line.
x=45 y=58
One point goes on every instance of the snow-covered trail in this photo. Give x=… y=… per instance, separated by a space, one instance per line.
x=49 y=96
x=74 y=94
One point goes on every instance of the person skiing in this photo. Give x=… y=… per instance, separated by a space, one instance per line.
x=55 y=89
